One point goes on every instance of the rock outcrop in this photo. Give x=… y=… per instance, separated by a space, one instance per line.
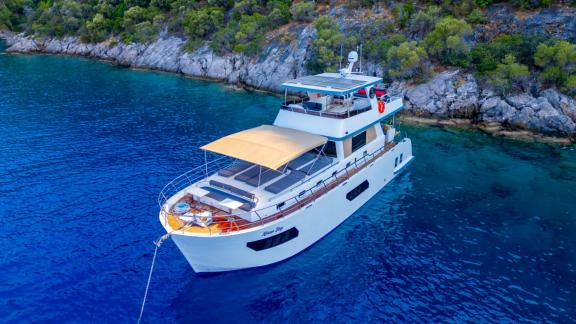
x=454 y=95
x=279 y=61
x=447 y=95
x=450 y=94
x=556 y=22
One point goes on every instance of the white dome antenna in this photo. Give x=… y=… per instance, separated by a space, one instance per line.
x=352 y=58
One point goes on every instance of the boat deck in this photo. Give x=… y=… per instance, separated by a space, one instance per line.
x=222 y=222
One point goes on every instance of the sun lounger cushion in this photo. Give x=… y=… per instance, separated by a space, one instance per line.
x=232 y=189
x=316 y=166
x=300 y=161
x=250 y=173
x=285 y=182
x=247 y=206
x=263 y=178
x=234 y=168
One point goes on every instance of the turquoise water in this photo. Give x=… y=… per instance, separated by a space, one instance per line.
x=478 y=229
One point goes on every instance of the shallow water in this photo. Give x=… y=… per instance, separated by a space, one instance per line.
x=478 y=228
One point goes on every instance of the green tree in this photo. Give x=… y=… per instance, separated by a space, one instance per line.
x=558 y=63
x=508 y=74
x=250 y=34
x=424 y=21
x=476 y=17
x=446 y=42
x=278 y=12
x=202 y=22
x=96 y=29
x=303 y=11
x=407 y=60
x=326 y=47
x=403 y=12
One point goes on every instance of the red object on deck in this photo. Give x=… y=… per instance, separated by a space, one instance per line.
x=379 y=92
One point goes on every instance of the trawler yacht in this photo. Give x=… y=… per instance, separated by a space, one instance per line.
x=274 y=190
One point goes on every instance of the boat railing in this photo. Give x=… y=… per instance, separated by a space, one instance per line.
x=290 y=106
x=225 y=221
x=190 y=177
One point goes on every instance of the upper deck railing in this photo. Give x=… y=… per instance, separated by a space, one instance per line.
x=329 y=114
x=273 y=212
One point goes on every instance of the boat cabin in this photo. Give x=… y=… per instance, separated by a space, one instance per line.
x=332 y=95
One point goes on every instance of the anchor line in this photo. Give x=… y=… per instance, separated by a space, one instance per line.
x=157 y=244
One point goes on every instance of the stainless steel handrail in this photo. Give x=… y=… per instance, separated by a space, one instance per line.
x=275 y=211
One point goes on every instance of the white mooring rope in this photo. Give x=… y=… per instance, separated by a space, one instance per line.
x=148 y=283
x=157 y=243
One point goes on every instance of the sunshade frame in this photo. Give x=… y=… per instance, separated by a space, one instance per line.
x=268 y=146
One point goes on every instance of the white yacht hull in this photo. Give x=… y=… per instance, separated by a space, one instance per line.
x=230 y=252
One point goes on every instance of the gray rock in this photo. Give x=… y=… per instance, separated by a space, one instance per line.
x=448 y=94
x=553 y=22
x=560 y=102
x=494 y=109
x=520 y=100
x=163 y=54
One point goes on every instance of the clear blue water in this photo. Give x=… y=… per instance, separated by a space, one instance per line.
x=478 y=229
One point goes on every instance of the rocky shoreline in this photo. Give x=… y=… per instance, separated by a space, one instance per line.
x=447 y=96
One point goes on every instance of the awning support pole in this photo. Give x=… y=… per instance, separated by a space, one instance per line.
x=317 y=157
x=206 y=164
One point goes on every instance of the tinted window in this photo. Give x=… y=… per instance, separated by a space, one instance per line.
x=274 y=240
x=330 y=149
x=358 y=141
x=396 y=162
x=358 y=190
x=400 y=158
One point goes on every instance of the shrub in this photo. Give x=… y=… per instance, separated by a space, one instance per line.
x=96 y=29
x=377 y=50
x=446 y=41
x=279 y=12
x=200 y=23
x=407 y=60
x=144 y=32
x=558 y=63
x=508 y=74
x=303 y=11
x=326 y=47
x=403 y=13
x=424 y=21
x=476 y=17
x=12 y=14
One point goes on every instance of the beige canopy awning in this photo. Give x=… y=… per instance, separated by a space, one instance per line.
x=266 y=145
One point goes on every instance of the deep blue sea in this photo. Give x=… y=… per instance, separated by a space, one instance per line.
x=478 y=229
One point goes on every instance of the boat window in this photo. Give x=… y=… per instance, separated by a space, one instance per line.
x=274 y=240
x=358 y=141
x=358 y=190
x=396 y=162
x=330 y=149
x=401 y=158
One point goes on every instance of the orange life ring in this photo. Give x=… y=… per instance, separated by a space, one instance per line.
x=381 y=106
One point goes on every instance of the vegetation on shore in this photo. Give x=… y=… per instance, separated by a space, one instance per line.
x=419 y=37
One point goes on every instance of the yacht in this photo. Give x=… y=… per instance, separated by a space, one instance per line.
x=274 y=190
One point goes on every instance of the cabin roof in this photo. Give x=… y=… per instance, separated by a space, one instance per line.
x=331 y=83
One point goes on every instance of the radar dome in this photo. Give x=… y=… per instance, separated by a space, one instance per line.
x=353 y=57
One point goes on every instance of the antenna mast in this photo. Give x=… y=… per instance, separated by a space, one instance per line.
x=340 y=56
x=360 y=58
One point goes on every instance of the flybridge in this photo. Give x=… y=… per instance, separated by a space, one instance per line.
x=332 y=83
